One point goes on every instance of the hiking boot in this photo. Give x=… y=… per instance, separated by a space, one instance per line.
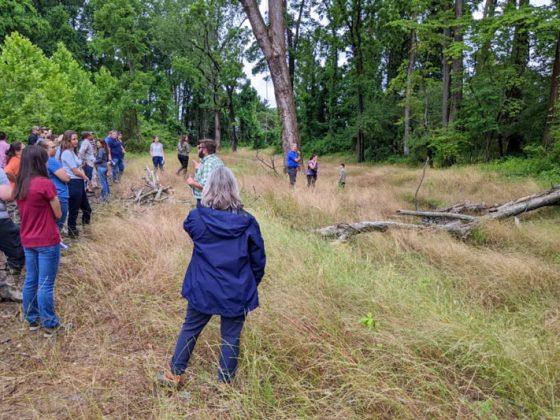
x=34 y=326
x=169 y=380
x=58 y=330
x=10 y=293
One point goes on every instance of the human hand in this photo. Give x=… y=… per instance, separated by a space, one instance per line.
x=196 y=164
x=190 y=180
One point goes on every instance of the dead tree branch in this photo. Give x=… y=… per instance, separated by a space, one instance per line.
x=461 y=224
x=271 y=164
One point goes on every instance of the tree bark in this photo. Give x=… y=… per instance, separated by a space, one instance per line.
x=519 y=60
x=446 y=81
x=408 y=97
x=553 y=95
x=292 y=36
x=232 y=121
x=271 y=41
x=457 y=78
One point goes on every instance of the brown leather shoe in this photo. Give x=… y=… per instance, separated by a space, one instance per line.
x=168 y=379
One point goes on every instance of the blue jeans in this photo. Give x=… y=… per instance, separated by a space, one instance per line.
x=118 y=167
x=64 y=208
x=38 y=288
x=88 y=170
x=158 y=162
x=195 y=322
x=102 y=174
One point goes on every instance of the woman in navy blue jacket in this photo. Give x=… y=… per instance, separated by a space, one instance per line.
x=226 y=267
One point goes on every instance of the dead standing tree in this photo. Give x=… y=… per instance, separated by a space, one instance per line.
x=272 y=41
x=452 y=219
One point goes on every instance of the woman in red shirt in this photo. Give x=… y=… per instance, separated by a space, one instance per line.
x=39 y=209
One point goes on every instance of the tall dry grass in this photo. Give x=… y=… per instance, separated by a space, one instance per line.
x=458 y=329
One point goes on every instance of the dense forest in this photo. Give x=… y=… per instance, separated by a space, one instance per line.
x=461 y=81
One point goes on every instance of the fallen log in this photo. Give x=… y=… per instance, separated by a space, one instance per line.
x=461 y=224
x=344 y=230
x=436 y=214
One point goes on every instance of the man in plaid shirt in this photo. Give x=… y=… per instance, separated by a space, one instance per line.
x=209 y=161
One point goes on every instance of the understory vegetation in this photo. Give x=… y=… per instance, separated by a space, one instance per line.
x=397 y=324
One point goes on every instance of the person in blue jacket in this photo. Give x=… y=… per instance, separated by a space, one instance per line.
x=226 y=267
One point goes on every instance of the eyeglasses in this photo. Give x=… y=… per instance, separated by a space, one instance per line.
x=200 y=147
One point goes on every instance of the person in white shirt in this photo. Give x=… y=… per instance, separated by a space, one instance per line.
x=158 y=157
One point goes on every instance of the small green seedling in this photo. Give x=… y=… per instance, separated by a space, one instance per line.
x=368 y=321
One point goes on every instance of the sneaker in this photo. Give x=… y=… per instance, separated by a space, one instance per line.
x=34 y=326
x=169 y=380
x=59 y=329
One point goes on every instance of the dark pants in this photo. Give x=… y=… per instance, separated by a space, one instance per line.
x=10 y=244
x=78 y=201
x=292 y=173
x=195 y=322
x=311 y=180
x=184 y=163
x=158 y=162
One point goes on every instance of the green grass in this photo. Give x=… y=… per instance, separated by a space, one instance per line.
x=386 y=325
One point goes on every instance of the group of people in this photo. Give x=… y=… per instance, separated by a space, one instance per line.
x=43 y=187
x=293 y=165
x=228 y=259
x=223 y=274
x=158 y=155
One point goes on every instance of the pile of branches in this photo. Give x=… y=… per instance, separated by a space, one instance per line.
x=454 y=219
x=151 y=192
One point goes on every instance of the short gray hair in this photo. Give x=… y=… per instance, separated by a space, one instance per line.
x=221 y=191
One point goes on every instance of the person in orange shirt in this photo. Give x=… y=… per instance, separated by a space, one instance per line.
x=13 y=161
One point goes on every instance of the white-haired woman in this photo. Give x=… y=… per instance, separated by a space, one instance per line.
x=226 y=267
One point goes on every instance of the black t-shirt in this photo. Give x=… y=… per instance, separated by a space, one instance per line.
x=32 y=139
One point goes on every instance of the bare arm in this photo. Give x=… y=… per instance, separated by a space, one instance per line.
x=62 y=175
x=55 y=206
x=5 y=192
x=194 y=184
x=11 y=177
x=79 y=173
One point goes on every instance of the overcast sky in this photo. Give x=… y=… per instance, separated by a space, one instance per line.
x=265 y=88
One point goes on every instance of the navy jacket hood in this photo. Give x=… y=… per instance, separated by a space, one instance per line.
x=227 y=263
x=225 y=224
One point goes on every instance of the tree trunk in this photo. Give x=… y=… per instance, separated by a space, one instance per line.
x=217 y=128
x=457 y=80
x=553 y=95
x=232 y=122
x=446 y=81
x=483 y=54
x=356 y=43
x=292 y=37
x=271 y=41
x=408 y=97
x=519 y=60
